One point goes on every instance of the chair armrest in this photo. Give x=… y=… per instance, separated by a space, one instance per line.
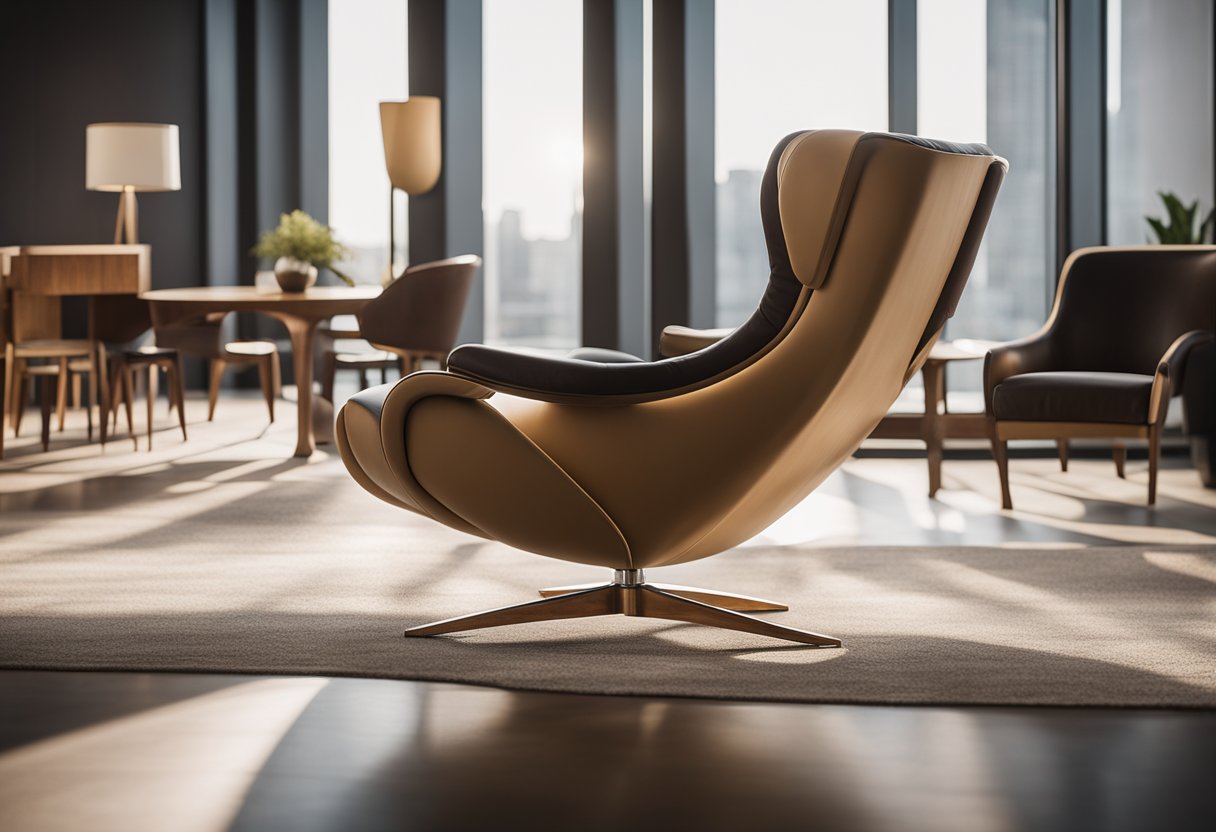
x=1173 y=363
x=1029 y=355
x=681 y=340
x=1168 y=379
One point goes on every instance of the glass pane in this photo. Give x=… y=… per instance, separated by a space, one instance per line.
x=1159 y=111
x=533 y=146
x=986 y=73
x=782 y=66
x=367 y=65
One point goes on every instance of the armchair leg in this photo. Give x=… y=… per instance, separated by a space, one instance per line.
x=725 y=600
x=655 y=603
x=1063 y=448
x=602 y=600
x=1120 y=454
x=1000 y=452
x=629 y=595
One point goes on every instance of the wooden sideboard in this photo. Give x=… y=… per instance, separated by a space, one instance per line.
x=78 y=270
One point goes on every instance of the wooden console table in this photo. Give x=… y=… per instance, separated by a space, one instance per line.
x=937 y=423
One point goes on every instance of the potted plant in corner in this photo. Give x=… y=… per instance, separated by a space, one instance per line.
x=301 y=245
x=1199 y=382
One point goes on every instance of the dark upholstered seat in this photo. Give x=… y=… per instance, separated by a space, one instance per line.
x=1121 y=398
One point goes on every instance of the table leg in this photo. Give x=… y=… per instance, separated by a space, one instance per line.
x=934 y=374
x=302 y=334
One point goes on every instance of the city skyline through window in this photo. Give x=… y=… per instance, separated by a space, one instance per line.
x=779 y=67
x=986 y=73
x=533 y=171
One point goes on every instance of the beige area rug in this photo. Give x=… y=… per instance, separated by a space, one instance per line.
x=228 y=557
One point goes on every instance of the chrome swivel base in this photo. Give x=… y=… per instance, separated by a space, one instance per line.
x=629 y=594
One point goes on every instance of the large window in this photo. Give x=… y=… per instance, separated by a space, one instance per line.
x=986 y=73
x=533 y=152
x=367 y=65
x=1159 y=110
x=782 y=66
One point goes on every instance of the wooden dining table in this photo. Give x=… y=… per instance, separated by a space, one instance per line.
x=300 y=312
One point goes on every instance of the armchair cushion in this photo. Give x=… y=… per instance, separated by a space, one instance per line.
x=1121 y=398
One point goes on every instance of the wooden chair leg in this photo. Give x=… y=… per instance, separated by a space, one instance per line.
x=1154 y=456
x=47 y=388
x=10 y=362
x=153 y=379
x=22 y=386
x=177 y=392
x=1062 y=444
x=266 y=380
x=76 y=382
x=1120 y=454
x=1000 y=452
x=213 y=391
x=61 y=393
x=128 y=395
x=362 y=379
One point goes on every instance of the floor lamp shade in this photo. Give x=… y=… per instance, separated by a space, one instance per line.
x=412 y=147
x=127 y=157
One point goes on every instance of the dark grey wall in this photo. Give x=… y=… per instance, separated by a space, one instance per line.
x=66 y=64
x=244 y=81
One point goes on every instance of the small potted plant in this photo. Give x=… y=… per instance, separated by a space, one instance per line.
x=1181 y=230
x=301 y=245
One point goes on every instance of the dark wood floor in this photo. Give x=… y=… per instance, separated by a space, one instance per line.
x=102 y=751
x=165 y=751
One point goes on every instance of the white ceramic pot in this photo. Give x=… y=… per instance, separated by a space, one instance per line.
x=294 y=275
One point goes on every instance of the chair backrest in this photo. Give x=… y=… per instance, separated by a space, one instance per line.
x=421 y=310
x=1119 y=308
x=881 y=232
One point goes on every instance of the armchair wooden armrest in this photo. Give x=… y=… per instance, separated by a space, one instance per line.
x=1029 y=355
x=681 y=340
x=1170 y=368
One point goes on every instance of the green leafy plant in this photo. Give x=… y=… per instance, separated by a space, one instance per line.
x=1181 y=228
x=302 y=237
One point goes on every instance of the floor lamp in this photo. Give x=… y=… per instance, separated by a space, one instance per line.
x=126 y=157
x=412 y=153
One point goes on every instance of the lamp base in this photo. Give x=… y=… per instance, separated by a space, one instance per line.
x=128 y=217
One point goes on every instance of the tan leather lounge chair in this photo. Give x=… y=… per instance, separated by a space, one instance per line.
x=1109 y=357
x=635 y=464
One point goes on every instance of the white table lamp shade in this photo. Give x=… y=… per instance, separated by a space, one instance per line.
x=142 y=157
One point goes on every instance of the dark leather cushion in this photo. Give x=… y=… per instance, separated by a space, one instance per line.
x=603 y=356
x=1074 y=397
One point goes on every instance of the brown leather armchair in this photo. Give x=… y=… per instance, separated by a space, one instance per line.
x=636 y=464
x=1110 y=356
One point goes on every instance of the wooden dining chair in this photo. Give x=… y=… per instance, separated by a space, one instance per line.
x=416 y=318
